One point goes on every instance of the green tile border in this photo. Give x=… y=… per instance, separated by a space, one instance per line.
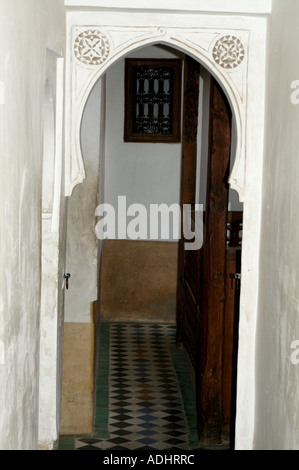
x=102 y=384
x=187 y=387
x=66 y=443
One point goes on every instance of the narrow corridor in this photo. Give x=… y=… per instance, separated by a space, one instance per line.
x=145 y=396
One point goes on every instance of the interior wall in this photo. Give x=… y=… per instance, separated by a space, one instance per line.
x=146 y=173
x=82 y=257
x=42 y=24
x=277 y=392
x=138 y=281
x=52 y=256
x=81 y=254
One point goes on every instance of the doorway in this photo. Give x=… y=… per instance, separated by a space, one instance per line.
x=240 y=73
x=114 y=260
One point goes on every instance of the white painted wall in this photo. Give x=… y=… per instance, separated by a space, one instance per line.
x=145 y=173
x=226 y=6
x=53 y=254
x=277 y=389
x=102 y=124
x=27 y=30
x=82 y=244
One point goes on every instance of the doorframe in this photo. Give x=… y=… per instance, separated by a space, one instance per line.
x=52 y=259
x=202 y=37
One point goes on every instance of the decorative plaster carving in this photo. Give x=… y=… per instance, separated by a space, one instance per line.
x=95 y=47
x=91 y=47
x=228 y=52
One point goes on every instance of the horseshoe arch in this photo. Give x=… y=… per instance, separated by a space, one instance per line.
x=93 y=49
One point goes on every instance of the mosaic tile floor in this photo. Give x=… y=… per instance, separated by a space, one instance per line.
x=145 y=398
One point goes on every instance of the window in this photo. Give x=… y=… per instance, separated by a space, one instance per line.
x=152 y=100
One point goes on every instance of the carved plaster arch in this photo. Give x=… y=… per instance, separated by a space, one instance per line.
x=224 y=53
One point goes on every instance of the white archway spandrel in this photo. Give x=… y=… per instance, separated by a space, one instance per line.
x=93 y=48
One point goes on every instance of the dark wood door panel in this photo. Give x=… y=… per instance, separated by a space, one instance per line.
x=206 y=310
x=188 y=277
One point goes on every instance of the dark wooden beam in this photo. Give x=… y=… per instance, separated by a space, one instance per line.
x=188 y=183
x=211 y=334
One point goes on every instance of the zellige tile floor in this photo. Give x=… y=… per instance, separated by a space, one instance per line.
x=145 y=396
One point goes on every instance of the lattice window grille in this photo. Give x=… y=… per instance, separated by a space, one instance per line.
x=153 y=100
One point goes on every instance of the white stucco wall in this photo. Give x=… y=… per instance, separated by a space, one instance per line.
x=226 y=6
x=27 y=29
x=82 y=244
x=277 y=384
x=53 y=254
x=145 y=173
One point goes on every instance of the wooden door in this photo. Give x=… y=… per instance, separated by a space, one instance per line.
x=213 y=288
x=207 y=312
x=189 y=261
x=231 y=322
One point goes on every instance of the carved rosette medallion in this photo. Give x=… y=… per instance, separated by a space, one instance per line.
x=228 y=52
x=91 y=47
